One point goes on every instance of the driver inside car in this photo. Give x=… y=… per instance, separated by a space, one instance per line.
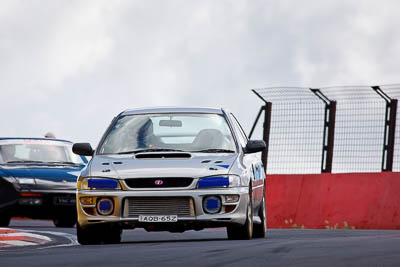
x=8 y=152
x=146 y=137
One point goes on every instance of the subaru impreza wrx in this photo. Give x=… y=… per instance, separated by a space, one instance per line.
x=171 y=169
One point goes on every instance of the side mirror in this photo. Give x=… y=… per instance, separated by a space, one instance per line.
x=83 y=149
x=254 y=146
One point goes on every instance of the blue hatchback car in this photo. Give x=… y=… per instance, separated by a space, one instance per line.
x=38 y=180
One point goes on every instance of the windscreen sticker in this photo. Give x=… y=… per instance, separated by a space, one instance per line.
x=28 y=141
x=258 y=171
x=223 y=166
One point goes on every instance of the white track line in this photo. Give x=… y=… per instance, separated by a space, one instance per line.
x=34 y=234
x=25 y=234
x=19 y=238
x=16 y=238
x=18 y=243
x=71 y=238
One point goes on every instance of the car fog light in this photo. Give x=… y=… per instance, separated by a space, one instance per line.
x=105 y=206
x=212 y=204
x=231 y=198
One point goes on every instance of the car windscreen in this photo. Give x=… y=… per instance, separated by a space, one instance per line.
x=182 y=132
x=28 y=151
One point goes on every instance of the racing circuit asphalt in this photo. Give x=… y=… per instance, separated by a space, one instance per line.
x=211 y=248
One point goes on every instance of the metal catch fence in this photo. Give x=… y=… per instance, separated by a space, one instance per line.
x=331 y=129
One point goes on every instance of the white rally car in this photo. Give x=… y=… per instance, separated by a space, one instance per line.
x=171 y=169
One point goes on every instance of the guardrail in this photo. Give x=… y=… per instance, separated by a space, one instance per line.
x=334 y=201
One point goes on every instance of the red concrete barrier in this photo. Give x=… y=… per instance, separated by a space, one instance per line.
x=351 y=200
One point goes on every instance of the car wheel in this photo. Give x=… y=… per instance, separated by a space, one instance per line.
x=113 y=235
x=64 y=222
x=260 y=230
x=88 y=235
x=245 y=231
x=5 y=219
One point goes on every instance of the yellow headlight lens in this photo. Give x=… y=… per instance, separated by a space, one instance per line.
x=99 y=183
x=87 y=200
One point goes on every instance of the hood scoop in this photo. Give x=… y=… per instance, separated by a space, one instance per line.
x=163 y=156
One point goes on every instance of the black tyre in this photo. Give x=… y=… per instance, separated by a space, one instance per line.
x=260 y=230
x=245 y=231
x=88 y=235
x=97 y=234
x=64 y=222
x=5 y=219
x=112 y=235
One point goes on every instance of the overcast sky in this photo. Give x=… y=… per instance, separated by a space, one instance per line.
x=70 y=66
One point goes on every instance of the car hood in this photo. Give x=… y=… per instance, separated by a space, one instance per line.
x=46 y=177
x=198 y=165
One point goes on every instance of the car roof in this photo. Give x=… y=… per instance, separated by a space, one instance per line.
x=173 y=110
x=34 y=138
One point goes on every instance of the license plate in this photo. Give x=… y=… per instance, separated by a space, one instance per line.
x=158 y=218
x=64 y=201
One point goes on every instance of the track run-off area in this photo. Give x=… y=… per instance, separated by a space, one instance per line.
x=296 y=247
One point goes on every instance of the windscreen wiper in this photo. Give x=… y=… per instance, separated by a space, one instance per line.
x=24 y=161
x=150 y=150
x=214 y=150
x=62 y=162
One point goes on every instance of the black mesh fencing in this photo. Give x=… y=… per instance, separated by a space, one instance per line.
x=359 y=129
x=295 y=141
x=355 y=119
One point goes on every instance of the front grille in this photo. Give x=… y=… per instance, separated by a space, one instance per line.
x=158 y=182
x=181 y=206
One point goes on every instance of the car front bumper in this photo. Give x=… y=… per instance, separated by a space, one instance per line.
x=46 y=204
x=230 y=213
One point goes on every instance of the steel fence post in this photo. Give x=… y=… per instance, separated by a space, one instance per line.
x=390 y=126
x=329 y=131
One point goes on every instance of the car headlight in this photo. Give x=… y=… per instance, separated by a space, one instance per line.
x=99 y=183
x=219 y=181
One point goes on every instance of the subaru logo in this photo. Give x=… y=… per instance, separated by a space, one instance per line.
x=158 y=182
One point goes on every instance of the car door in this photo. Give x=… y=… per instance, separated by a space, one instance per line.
x=253 y=163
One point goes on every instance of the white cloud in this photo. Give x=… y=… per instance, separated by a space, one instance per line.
x=70 y=66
